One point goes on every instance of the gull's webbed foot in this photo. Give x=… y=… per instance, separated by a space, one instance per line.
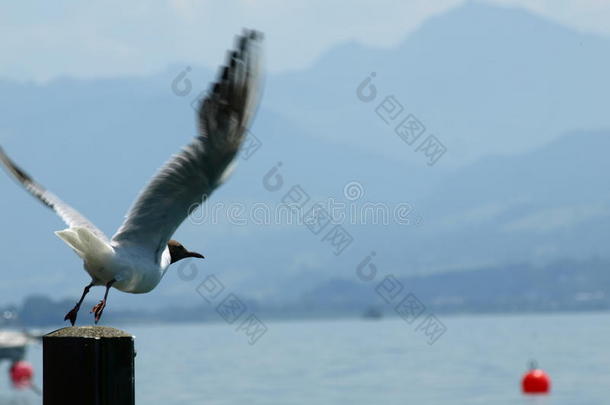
x=71 y=316
x=98 y=310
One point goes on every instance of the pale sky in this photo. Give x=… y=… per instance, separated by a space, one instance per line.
x=45 y=40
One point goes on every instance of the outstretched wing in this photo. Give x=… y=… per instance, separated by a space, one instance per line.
x=190 y=176
x=69 y=215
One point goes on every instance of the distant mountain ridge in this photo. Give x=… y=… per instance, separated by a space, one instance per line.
x=563 y=285
x=520 y=103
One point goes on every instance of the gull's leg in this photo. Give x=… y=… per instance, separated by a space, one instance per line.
x=99 y=308
x=71 y=316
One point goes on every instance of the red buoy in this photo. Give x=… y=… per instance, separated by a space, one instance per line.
x=22 y=373
x=536 y=381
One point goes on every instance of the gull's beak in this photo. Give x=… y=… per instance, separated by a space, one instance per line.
x=195 y=254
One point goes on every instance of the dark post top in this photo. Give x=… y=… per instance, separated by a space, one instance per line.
x=88 y=365
x=94 y=332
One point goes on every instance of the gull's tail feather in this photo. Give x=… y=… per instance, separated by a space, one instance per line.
x=71 y=238
x=85 y=243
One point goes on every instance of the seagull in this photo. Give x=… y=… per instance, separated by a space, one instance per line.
x=137 y=257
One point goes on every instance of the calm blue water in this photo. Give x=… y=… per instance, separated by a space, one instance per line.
x=479 y=360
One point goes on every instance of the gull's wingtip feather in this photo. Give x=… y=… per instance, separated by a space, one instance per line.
x=13 y=169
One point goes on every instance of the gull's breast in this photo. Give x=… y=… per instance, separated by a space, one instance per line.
x=134 y=274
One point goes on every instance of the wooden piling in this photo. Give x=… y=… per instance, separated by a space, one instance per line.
x=88 y=365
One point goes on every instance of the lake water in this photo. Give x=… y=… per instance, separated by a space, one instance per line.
x=479 y=360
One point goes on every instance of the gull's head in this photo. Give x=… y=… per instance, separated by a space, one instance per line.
x=179 y=252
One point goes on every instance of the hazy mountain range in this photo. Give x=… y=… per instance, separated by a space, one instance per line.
x=520 y=103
